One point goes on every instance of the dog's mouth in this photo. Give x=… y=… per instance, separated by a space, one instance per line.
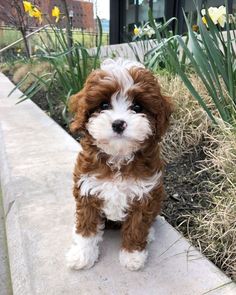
x=118 y=145
x=114 y=138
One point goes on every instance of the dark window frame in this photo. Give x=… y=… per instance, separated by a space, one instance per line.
x=173 y=8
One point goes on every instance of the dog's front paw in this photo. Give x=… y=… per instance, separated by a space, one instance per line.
x=133 y=260
x=84 y=251
x=82 y=258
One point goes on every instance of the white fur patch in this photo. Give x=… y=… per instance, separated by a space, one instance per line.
x=119 y=70
x=133 y=260
x=118 y=192
x=84 y=251
x=138 y=127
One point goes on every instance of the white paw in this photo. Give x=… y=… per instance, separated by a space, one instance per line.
x=84 y=251
x=81 y=258
x=133 y=260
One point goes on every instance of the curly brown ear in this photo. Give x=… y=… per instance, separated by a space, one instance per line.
x=168 y=110
x=77 y=106
x=163 y=116
x=73 y=103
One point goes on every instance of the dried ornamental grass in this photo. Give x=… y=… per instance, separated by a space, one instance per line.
x=188 y=122
x=36 y=68
x=214 y=229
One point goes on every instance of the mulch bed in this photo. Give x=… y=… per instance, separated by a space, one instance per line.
x=186 y=188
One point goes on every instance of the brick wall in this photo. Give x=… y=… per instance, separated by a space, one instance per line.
x=82 y=11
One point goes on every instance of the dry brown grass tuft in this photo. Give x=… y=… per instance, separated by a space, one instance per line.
x=188 y=122
x=213 y=229
x=4 y=68
x=36 y=68
x=8 y=69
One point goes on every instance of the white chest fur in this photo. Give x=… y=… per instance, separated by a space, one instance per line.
x=117 y=193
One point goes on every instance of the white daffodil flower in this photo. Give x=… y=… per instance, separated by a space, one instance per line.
x=149 y=31
x=217 y=15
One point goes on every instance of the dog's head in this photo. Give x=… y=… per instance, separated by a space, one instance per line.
x=121 y=108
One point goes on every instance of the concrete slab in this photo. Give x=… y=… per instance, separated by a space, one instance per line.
x=5 y=278
x=36 y=160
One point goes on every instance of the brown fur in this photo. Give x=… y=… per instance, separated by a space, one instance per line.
x=88 y=214
x=158 y=108
x=140 y=217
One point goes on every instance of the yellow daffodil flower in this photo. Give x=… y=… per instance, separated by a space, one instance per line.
x=217 y=15
x=27 y=6
x=137 y=31
x=56 y=13
x=36 y=13
x=204 y=20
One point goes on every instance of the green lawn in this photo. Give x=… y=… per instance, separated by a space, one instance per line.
x=8 y=36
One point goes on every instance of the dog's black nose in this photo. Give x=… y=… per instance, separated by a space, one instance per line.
x=119 y=126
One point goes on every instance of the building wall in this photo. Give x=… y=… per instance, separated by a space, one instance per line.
x=125 y=14
x=82 y=12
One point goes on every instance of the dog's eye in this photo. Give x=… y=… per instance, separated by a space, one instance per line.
x=136 y=108
x=105 y=106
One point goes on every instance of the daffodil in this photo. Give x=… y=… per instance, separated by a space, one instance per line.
x=36 y=13
x=217 y=15
x=27 y=6
x=222 y=16
x=56 y=13
x=137 y=31
x=204 y=20
x=149 y=31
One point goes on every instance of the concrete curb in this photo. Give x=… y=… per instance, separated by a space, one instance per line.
x=36 y=162
x=5 y=277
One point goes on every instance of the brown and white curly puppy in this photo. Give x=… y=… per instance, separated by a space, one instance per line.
x=118 y=173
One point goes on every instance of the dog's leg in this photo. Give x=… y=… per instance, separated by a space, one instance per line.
x=137 y=231
x=87 y=233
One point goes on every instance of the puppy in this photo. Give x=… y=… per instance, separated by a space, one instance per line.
x=118 y=175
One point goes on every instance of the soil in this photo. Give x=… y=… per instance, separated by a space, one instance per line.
x=57 y=107
x=185 y=188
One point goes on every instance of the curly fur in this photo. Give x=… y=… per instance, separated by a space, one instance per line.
x=118 y=177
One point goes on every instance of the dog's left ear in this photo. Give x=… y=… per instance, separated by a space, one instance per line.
x=163 y=118
x=77 y=107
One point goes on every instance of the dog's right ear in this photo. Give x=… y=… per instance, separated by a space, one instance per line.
x=77 y=107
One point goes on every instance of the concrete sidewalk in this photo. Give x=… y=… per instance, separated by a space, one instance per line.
x=5 y=278
x=36 y=164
